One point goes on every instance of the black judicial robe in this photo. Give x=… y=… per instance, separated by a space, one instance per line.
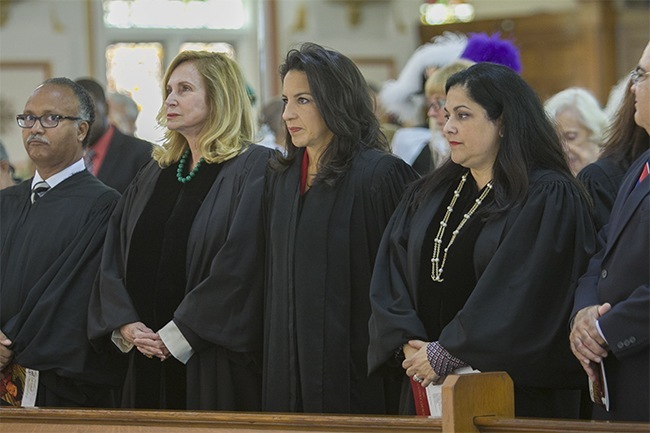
x=50 y=256
x=322 y=249
x=526 y=262
x=221 y=313
x=602 y=179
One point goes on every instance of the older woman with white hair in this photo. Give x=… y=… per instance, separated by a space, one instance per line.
x=582 y=124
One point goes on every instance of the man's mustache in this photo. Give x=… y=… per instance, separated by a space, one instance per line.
x=37 y=137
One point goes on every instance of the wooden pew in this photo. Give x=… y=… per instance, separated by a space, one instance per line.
x=134 y=421
x=471 y=403
x=484 y=402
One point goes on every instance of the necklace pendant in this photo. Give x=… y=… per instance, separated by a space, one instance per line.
x=437 y=265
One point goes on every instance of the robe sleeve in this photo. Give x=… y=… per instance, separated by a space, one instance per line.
x=394 y=319
x=390 y=178
x=516 y=317
x=602 y=191
x=110 y=303
x=224 y=305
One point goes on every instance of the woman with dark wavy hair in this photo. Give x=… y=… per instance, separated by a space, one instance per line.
x=479 y=263
x=329 y=201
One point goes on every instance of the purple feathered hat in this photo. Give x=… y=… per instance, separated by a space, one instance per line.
x=483 y=48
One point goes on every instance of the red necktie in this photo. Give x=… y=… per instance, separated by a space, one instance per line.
x=644 y=172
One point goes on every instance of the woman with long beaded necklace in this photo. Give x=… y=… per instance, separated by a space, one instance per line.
x=479 y=263
x=181 y=281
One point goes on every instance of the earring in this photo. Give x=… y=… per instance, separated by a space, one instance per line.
x=501 y=134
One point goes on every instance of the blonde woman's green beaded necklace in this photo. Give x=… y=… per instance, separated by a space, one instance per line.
x=437 y=265
x=181 y=165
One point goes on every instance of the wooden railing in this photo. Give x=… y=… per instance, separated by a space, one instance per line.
x=471 y=403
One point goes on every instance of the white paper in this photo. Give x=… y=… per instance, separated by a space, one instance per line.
x=605 y=390
x=434 y=393
x=31 y=388
x=603 y=396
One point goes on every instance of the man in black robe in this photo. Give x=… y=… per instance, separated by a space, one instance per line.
x=51 y=237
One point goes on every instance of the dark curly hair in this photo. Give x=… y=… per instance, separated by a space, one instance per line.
x=345 y=103
x=529 y=139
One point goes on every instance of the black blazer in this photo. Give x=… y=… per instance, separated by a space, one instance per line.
x=619 y=274
x=125 y=156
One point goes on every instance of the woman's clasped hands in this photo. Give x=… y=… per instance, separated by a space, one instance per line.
x=417 y=364
x=145 y=340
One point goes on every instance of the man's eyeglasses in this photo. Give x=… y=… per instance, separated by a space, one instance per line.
x=47 y=120
x=638 y=75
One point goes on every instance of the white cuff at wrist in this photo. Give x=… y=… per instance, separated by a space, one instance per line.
x=176 y=342
x=120 y=342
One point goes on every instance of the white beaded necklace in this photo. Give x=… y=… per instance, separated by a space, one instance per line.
x=437 y=267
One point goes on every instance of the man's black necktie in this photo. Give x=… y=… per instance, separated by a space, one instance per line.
x=39 y=190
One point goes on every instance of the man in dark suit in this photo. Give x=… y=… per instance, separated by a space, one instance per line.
x=611 y=317
x=112 y=156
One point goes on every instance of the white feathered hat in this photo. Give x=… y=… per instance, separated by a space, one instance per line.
x=403 y=97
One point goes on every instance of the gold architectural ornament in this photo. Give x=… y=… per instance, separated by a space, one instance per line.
x=354 y=8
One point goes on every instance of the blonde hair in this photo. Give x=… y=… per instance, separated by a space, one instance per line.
x=436 y=81
x=229 y=127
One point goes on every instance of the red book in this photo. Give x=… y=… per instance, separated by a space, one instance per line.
x=420 y=398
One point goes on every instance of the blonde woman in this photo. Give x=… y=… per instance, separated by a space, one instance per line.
x=177 y=290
